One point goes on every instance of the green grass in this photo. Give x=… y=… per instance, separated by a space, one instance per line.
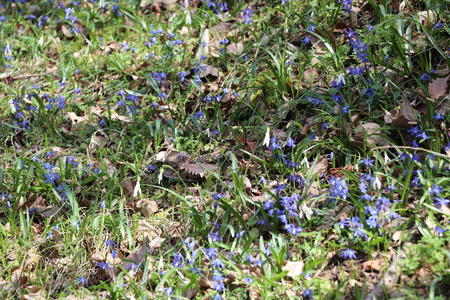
x=272 y=167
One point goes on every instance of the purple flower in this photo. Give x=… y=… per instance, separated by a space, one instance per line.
x=82 y=280
x=441 y=201
x=104 y=265
x=367 y=162
x=440 y=231
x=425 y=77
x=345 y=109
x=110 y=243
x=51 y=177
x=349 y=254
x=247 y=14
x=178 y=260
x=438 y=25
x=307 y=40
x=215 y=237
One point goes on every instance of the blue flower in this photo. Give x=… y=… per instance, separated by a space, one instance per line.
x=178 y=260
x=345 y=109
x=240 y=234
x=217 y=263
x=311 y=27
x=248 y=280
x=215 y=237
x=110 y=243
x=168 y=291
x=367 y=162
x=440 y=231
x=349 y=253
x=438 y=25
x=104 y=265
x=307 y=40
x=308 y=294
x=441 y=202
x=425 y=77
x=218 y=286
x=292 y=229
x=51 y=177
x=338 y=189
x=274 y=144
x=247 y=14
x=436 y=190
x=82 y=280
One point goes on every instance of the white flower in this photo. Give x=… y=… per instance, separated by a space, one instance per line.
x=267 y=137
x=376 y=183
x=137 y=189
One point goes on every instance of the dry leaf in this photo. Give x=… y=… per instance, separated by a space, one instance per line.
x=148 y=207
x=74 y=118
x=373 y=265
x=281 y=135
x=427 y=15
x=405 y=117
x=200 y=170
x=138 y=256
x=33 y=292
x=370 y=131
x=294 y=268
x=128 y=187
x=438 y=87
x=206 y=70
x=235 y=48
x=203 y=47
x=320 y=167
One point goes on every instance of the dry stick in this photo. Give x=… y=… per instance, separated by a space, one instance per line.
x=411 y=148
x=26 y=76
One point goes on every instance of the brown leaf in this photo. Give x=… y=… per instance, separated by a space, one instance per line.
x=148 y=207
x=321 y=166
x=74 y=118
x=199 y=169
x=294 y=268
x=235 y=48
x=438 y=87
x=336 y=172
x=373 y=265
x=32 y=293
x=66 y=31
x=128 y=187
x=370 y=131
x=138 y=256
x=281 y=135
x=209 y=70
x=405 y=117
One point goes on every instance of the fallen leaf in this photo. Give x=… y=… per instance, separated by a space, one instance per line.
x=370 y=133
x=235 y=48
x=32 y=293
x=438 y=87
x=373 y=265
x=148 y=207
x=139 y=254
x=206 y=70
x=199 y=169
x=203 y=47
x=320 y=167
x=405 y=117
x=294 y=268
